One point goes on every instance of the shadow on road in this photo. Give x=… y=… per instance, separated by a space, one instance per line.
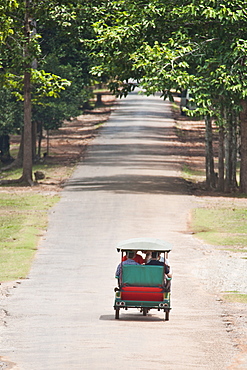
x=133 y=154
x=132 y=317
x=124 y=153
x=130 y=184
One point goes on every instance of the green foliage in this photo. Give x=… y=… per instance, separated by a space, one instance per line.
x=10 y=113
x=6 y=23
x=44 y=85
x=47 y=85
x=175 y=45
x=59 y=57
x=163 y=67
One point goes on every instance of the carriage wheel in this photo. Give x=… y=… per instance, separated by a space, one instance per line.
x=144 y=311
x=167 y=315
x=117 y=313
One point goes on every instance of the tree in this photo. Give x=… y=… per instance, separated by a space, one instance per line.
x=199 y=45
x=20 y=48
x=243 y=149
x=23 y=64
x=27 y=142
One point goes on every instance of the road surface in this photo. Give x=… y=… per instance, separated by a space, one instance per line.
x=128 y=185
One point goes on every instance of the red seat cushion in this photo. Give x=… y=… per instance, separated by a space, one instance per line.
x=133 y=293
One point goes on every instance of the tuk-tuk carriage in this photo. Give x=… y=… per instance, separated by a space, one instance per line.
x=143 y=286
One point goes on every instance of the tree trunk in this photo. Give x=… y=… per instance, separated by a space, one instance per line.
x=40 y=137
x=98 y=99
x=210 y=174
x=221 y=156
x=234 y=183
x=17 y=163
x=228 y=152
x=27 y=142
x=243 y=150
x=47 y=141
x=34 y=140
x=5 y=156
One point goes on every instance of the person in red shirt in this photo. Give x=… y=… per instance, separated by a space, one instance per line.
x=138 y=258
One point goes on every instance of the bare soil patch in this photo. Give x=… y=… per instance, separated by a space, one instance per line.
x=190 y=133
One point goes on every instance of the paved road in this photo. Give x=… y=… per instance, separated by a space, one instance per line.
x=128 y=185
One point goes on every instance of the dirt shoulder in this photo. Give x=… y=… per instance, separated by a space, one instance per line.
x=223 y=271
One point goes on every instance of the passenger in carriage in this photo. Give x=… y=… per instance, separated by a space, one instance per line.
x=130 y=255
x=137 y=258
x=148 y=256
x=155 y=261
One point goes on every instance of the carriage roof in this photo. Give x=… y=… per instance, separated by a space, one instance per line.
x=144 y=244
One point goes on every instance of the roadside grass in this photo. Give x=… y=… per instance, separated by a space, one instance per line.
x=235 y=297
x=23 y=220
x=52 y=171
x=193 y=175
x=223 y=226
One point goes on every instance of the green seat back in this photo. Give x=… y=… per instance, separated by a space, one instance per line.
x=142 y=275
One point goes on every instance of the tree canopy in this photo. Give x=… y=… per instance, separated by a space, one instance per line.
x=165 y=46
x=44 y=64
x=171 y=46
